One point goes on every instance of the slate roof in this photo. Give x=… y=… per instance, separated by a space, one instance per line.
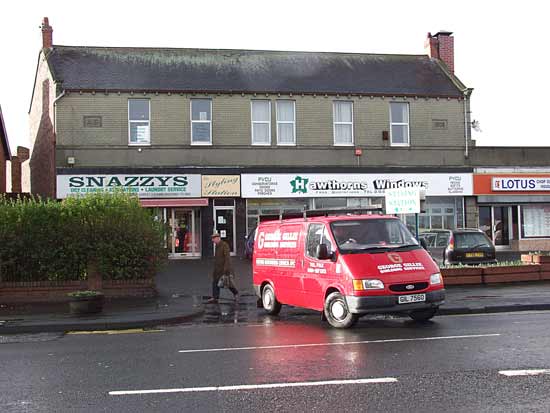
x=209 y=70
x=4 y=137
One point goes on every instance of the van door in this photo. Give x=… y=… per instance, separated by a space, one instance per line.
x=289 y=265
x=317 y=274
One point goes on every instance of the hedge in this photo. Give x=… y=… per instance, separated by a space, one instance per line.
x=55 y=241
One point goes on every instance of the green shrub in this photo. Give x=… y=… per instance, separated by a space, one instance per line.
x=50 y=240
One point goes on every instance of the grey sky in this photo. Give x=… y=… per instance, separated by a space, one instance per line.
x=500 y=47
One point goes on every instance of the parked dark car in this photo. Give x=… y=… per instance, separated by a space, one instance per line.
x=249 y=244
x=459 y=246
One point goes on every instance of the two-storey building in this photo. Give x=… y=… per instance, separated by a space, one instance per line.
x=211 y=139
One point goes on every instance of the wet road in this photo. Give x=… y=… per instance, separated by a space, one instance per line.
x=244 y=361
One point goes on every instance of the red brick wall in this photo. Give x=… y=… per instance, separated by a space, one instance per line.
x=42 y=163
x=2 y=169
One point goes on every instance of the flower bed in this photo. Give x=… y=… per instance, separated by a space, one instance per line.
x=500 y=273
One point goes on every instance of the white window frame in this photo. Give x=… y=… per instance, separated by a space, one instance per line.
x=130 y=143
x=280 y=122
x=408 y=143
x=200 y=121
x=252 y=122
x=334 y=123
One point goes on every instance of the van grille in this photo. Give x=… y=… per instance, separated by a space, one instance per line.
x=403 y=287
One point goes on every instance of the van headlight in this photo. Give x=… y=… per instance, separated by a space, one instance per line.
x=360 y=285
x=435 y=278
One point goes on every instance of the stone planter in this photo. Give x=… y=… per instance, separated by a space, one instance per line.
x=86 y=305
x=512 y=273
x=541 y=259
x=527 y=258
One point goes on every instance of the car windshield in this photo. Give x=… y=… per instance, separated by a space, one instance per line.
x=471 y=240
x=372 y=235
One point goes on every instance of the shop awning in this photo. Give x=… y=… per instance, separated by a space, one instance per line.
x=181 y=202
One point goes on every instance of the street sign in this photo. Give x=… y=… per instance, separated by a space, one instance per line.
x=402 y=201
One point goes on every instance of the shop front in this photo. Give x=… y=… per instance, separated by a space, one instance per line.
x=268 y=194
x=174 y=199
x=514 y=209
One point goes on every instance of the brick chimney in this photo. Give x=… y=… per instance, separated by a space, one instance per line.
x=16 y=161
x=47 y=34
x=441 y=46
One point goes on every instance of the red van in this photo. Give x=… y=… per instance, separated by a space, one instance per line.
x=344 y=265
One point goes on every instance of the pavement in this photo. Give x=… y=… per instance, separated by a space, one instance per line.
x=184 y=285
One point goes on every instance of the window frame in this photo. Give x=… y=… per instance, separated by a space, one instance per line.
x=334 y=123
x=284 y=122
x=407 y=124
x=252 y=122
x=130 y=121
x=209 y=143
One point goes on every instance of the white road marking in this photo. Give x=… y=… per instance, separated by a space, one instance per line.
x=344 y=343
x=532 y=372
x=255 y=386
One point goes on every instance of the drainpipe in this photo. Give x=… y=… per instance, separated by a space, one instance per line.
x=467 y=92
x=55 y=113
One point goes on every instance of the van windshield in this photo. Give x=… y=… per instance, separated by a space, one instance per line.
x=372 y=235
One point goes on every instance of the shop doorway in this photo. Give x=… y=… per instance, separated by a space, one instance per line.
x=224 y=224
x=184 y=240
x=500 y=223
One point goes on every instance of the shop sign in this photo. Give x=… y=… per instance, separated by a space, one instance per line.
x=221 y=186
x=524 y=184
x=144 y=186
x=351 y=185
x=403 y=201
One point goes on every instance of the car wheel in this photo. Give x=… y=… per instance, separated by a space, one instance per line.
x=337 y=312
x=423 y=315
x=269 y=301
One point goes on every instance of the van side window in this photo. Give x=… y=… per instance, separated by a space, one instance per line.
x=317 y=234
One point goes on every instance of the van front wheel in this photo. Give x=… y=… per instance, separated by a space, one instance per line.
x=337 y=312
x=423 y=315
x=269 y=302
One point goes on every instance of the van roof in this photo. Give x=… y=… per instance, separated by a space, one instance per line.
x=329 y=219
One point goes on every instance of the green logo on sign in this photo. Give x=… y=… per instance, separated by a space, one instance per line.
x=299 y=184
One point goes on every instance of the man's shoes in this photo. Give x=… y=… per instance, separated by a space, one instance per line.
x=237 y=297
x=212 y=300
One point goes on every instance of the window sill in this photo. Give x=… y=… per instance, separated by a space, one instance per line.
x=139 y=144
x=201 y=143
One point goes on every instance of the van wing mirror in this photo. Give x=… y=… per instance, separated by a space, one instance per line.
x=322 y=252
x=423 y=243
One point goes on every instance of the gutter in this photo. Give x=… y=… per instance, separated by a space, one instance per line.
x=55 y=112
x=467 y=93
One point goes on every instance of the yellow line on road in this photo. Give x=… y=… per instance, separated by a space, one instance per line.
x=129 y=331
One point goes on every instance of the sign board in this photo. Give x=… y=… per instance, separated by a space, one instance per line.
x=520 y=184
x=351 y=185
x=403 y=201
x=221 y=186
x=144 y=186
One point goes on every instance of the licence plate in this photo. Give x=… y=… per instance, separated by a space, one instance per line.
x=413 y=298
x=474 y=255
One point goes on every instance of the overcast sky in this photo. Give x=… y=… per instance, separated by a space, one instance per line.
x=501 y=48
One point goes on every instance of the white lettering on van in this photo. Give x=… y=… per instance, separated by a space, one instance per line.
x=273 y=262
x=261 y=236
x=413 y=266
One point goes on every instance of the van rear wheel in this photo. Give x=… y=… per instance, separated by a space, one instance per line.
x=423 y=315
x=269 y=301
x=337 y=311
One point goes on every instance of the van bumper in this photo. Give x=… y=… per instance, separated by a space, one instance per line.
x=388 y=303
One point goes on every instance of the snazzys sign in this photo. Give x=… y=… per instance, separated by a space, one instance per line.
x=351 y=185
x=144 y=186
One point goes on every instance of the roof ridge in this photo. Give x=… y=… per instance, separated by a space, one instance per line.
x=236 y=50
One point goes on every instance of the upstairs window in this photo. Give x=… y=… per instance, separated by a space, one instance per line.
x=343 y=123
x=139 y=115
x=286 y=122
x=399 y=120
x=201 y=122
x=261 y=122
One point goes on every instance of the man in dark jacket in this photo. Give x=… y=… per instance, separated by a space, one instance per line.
x=222 y=266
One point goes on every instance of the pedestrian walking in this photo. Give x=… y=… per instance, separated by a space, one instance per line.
x=222 y=268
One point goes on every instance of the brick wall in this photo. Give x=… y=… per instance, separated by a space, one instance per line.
x=2 y=169
x=42 y=149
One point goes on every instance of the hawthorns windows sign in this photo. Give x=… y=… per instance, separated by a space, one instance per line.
x=351 y=185
x=144 y=186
